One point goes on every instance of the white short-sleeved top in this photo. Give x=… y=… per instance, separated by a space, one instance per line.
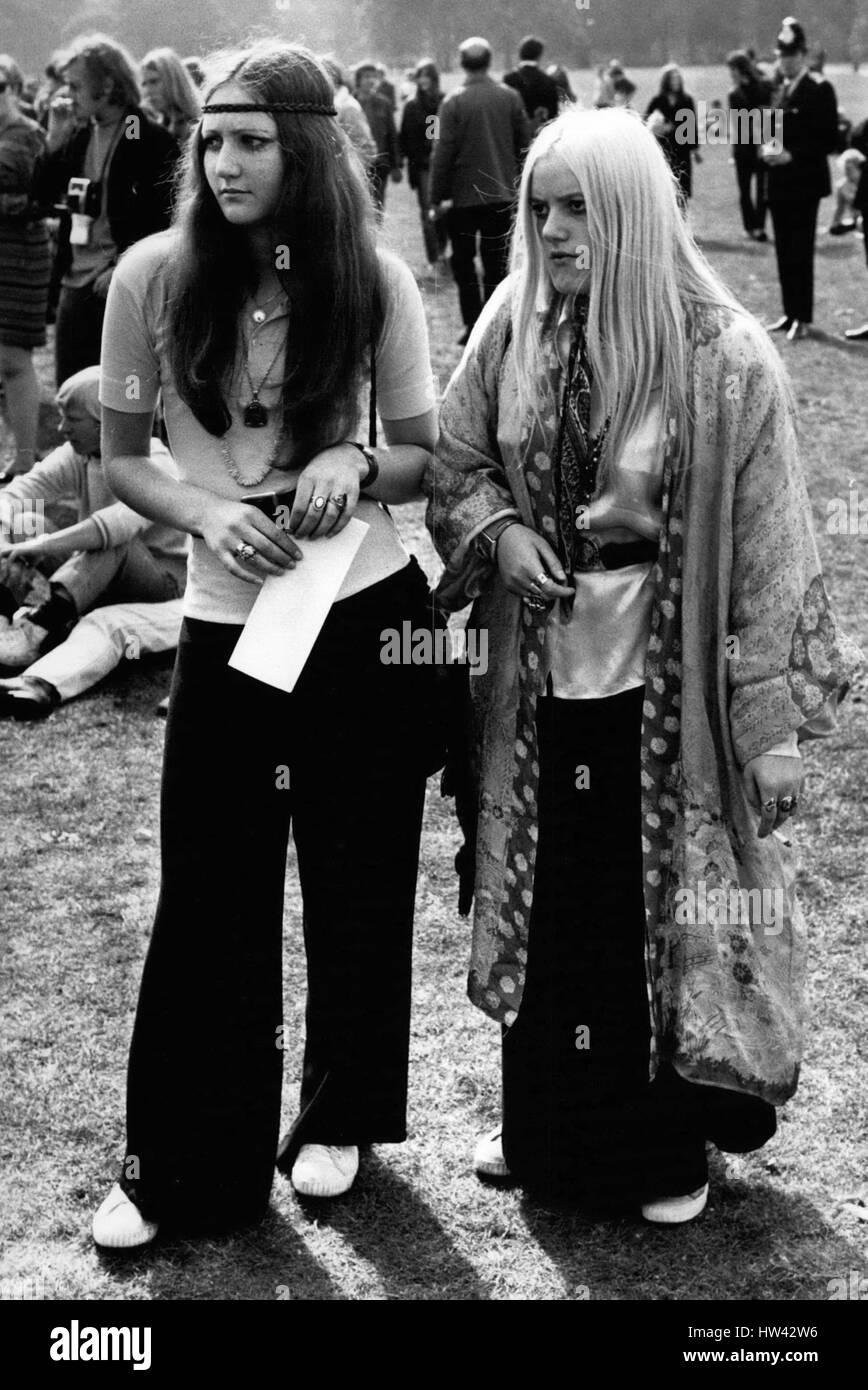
x=135 y=370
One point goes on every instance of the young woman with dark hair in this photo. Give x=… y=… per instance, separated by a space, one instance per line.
x=257 y=316
x=670 y=108
x=750 y=92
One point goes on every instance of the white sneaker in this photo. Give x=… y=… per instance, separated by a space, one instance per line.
x=672 y=1211
x=119 y=1225
x=325 y=1170
x=488 y=1156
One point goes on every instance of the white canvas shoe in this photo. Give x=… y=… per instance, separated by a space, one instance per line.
x=119 y=1225
x=488 y=1156
x=673 y=1211
x=325 y=1170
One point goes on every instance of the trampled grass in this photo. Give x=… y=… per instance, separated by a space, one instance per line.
x=79 y=868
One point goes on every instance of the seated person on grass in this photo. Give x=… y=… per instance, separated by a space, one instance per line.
x=118 y=572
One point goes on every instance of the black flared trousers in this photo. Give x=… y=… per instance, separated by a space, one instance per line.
x=492 y=223
x=753 y=203
x=795 y=227
x=204 y=1082
x=580 y=1118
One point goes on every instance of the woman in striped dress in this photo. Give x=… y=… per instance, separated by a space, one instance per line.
x=25 y=267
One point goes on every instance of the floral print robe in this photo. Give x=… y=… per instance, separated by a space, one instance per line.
x=737 y=559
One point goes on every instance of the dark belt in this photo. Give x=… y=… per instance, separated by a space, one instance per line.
x=590 y=555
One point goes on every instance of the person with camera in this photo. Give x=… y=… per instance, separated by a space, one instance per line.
x=112 y=167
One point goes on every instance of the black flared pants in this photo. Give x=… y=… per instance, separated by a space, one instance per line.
x=204 y=1080
x=795 y=226
x=580 y=1117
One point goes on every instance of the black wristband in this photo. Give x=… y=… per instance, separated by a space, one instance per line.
x=487 y=543
x=373 y=467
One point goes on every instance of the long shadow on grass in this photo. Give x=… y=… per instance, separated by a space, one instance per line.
x=753 y=1242
x=267 y=1263
x=835 y=340
x=388 y=1223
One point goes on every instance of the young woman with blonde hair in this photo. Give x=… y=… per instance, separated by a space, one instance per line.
x=168 y=90
x=617 y=488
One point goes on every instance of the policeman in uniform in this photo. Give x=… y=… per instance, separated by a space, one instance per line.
x=798 y=175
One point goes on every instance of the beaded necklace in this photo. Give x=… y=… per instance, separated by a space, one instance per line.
x=232 y=467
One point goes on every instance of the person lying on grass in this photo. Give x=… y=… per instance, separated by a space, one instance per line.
x=110 y=555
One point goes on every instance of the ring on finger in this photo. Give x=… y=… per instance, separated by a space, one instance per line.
x=340 y=501
x=786 y=804
x=770 y=804
x=539 y=580
x=319 y=503
x=245 y=551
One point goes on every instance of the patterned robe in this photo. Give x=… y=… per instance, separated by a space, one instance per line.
x=737 y=560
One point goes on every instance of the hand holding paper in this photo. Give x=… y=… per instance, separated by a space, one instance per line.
x=290 y=609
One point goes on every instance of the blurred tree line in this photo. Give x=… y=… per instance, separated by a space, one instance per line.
x=578 y=33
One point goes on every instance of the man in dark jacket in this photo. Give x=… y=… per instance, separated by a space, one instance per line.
x=798 y=175
x=123 y=163
x=477 y=160
x=537 y=90
x=378 y=110
x=418 y=133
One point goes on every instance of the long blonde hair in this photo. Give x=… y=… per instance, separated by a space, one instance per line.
x=179 y=94
x=645 y=270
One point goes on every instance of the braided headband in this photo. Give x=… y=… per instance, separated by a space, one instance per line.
x=309 y=108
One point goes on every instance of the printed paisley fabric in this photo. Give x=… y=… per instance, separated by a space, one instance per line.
x=744 y=648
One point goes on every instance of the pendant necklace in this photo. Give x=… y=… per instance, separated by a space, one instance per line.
x=255 y=414
x=259 y=315
x=232 y=467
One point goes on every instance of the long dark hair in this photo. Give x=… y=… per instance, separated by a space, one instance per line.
x=428 y=68
x=324 y=218
x=751 y=86
x=666 y=77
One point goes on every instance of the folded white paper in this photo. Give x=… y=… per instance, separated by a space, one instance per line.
x=290 y=609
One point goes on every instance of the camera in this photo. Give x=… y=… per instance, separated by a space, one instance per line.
x=82 y=201
x=82 y=196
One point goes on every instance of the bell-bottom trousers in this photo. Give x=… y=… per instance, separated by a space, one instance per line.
x=580 y=1117
x=352 y=742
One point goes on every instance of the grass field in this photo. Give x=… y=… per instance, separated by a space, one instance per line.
x=78 y=866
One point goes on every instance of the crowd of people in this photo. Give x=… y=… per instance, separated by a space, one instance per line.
x=612 y=516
